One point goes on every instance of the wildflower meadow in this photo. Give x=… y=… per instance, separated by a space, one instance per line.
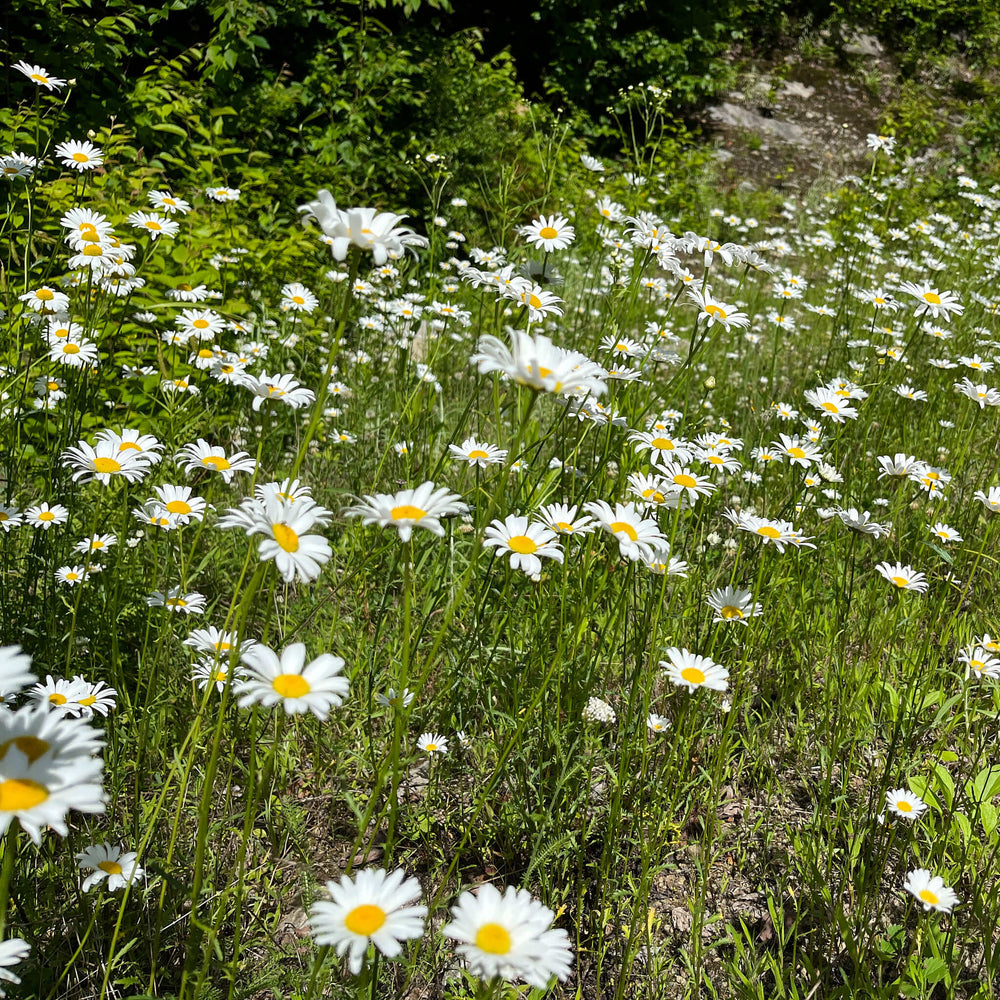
x=589 y=594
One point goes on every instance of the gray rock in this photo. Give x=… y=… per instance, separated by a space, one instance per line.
x=738 y=117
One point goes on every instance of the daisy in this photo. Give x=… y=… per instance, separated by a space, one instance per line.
x=661 y=446
x=10 y=517
x=12 y=951
x=717 y=311
x=904 y=803
x=39 y=75
x=991 y=499
x=657 y=723
x=299 y=686
x=79 y=156
x=164 y=201
x=201 y=455
x=732 y=605
x=215 y=641
x=408 y=509
x=930 y=890
x=563 y=520
x=979 y=393
x=45 y=300
x=831 y=405
x=96 y=543
x=908 y=392
x=509 y=936
x=536 y=299
x=478 y=453
x=71 y=575
x=862 y=523
x=45 y=516
x=652 y=491
x=372 y=908
x=945 y=532
x=637 y=536
x=285 y=388
x=111 y=863
x=174 y=600
x=681 y=479
x=180 y=502
x=899 y=465
x=933 y=302
x=40 y=792
x=104 y=461
x=432 y=744
x=215 y=671
x=15 y=672
x=74 y=353
x=155 y=224
x=285 y=527
x=687 y=669
x=903 y=577
x=204 y=324
x=526 y=543
x=979 y=662
x=297 y=298
x=549 y=233
x=797 y=451
x=96 y=697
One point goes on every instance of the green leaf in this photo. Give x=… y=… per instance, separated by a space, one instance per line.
x=988 y=816
x=964 y=825
x=171 y=128
x=946 y=783
x=935 y=970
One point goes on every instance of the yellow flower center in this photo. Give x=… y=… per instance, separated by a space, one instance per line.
x=175 y=602
x=39 y=78
x=478 y=453
x=200 y=324
x=298 y=300
x=714 y=311
x=111 y=867
x=153 y=224
x=291 y=685
x=493 y=939
x=31 y=746
x=683 y=479
x=93 y=250
x=170 y=201
x=72 y=577
x=52 y=386
x=88 y=701
x=617 y=526
x=71 y=348
x=285 y=537
x=662 y=444
x=220 y=462
x=534 y=301
x=768 y=532
x=693 y=675
x=929 y=897
x=81 y=157
x=932 y=298
x=797 y=452
x=564 y=526
x=831 y=407
x=730 y=611
x=903 y=806
x=45 y=294
x=178 y=507
x=522 y=544
x=899 y=581
x=407 y=512
x=106 y=465
x=18 y=794
x=431 y=747
x=548 y=233
x=365 y=919
x=653 y=495
x=46 y=515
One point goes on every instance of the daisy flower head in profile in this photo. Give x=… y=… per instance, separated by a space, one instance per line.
x=104 y=461
x=945 y=533
x=831 y=405
x=930 y=891
x=40 y=76
x=509 y=936
x=526 y=543
x=164 y=201
x=155 y=224
x=12 y=951
x=903 y=577
x=903 y=803
x=371 y=908
x=300 y=687
x=45 y=515
x=45 y=300
x=979 y=662
x=637 y=536
x=297 y=298
x=562 y=519
x=176 y=600
x=432 y=744
x=881 y=143
x=657 y=723
x=282 y=388
x=79 y=156
x=989 y=499
x=687 y=669
x=862 y=523
x=119 y=867
x=549 y=233
x=478 y=453
x=421 y=507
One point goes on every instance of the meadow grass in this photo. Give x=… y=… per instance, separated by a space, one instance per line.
x=727 y=716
